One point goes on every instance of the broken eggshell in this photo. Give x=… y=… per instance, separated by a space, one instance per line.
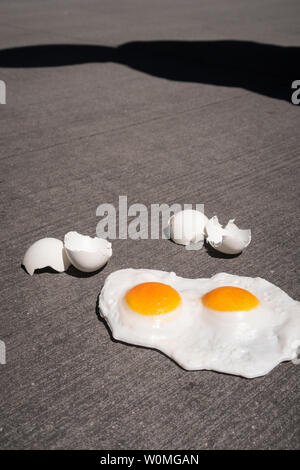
x=187 y=226
x=86 y=253
x=46 y=252
x=229 y=240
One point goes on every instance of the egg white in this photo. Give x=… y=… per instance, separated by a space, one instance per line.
x=248 y=343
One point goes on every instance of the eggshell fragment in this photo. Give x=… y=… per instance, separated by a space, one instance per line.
x=46 y=252
x=187 y=227
x=228 y=240
x=86 y=253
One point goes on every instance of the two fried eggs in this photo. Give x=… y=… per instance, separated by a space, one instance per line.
x=237 y=325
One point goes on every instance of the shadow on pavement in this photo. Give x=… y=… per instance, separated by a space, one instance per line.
x=262 y=68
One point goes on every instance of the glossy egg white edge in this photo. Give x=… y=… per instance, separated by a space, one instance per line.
x=46 y=252
x=204 y=344
x=88 y=254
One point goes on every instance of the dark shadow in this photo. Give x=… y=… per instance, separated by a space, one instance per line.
x=213 y=253
x=56 y=55
x=262 y=68
x=41 y=271
x=71 y=271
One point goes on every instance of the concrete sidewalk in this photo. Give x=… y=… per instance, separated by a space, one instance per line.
x=86 y=123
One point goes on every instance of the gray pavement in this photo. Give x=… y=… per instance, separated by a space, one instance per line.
x=206 y=119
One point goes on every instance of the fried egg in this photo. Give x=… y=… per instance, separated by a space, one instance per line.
x=232 y=324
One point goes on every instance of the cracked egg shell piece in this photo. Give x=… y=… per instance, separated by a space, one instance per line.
x=246 y=343
x=229 y=240
x=46 y=252
x=86 y=253
x=187 y=226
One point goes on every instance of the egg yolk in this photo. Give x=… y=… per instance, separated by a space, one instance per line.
x=153 y=298
x=230 y=299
